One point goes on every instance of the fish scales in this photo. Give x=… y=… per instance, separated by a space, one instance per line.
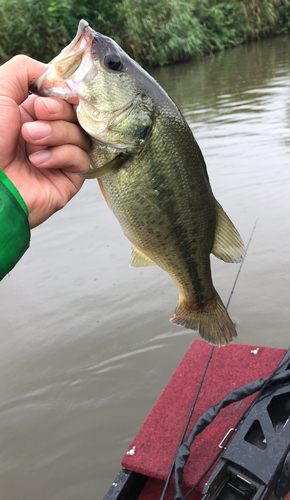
x=151 y=172
x=172 y=231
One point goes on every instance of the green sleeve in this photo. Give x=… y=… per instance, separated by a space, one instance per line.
x=14 y=227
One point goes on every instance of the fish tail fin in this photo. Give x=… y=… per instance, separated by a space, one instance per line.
x=210 y=319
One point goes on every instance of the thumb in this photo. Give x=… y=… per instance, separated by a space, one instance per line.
x=17 y=75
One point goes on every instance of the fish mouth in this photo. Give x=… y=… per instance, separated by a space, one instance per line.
x=72 y=65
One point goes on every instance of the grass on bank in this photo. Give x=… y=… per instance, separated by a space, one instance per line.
x=154 y=33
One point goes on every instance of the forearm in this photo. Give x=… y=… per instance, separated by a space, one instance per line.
x=14 y=227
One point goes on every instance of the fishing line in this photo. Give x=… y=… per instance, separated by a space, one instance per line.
x=241 y=264
x=186 y=425
x=200 y=385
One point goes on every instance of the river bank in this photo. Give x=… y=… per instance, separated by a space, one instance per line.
x=153 y=33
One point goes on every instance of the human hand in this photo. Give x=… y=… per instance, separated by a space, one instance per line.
x=41 y=147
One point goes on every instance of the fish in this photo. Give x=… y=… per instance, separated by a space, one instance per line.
x=151 y=172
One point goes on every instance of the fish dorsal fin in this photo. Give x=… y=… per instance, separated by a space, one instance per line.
x=228 y=245
x=139 y=259
x=114 y=164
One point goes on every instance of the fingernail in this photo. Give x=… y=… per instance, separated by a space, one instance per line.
x=38 y=130
x=40 y=157
x=52 y=105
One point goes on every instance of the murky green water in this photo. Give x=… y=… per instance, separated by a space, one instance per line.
x=86 y=345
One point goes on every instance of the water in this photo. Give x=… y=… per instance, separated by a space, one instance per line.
x=86 y=346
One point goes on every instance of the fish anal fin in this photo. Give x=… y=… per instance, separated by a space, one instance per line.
x=210 y=319
x=139 y=259
x=103 y=192
x=228 y=245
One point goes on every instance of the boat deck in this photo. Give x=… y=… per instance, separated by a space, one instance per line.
x=153 y=449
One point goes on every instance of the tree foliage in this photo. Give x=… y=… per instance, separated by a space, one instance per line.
x=158 y=33
x=153 y=32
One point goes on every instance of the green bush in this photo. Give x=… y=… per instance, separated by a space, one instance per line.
x=224 y=25
x=261 y=17
x=159 y=32
x=41 y=29
x=282 y=25
x=153 y=32
x=25 y=27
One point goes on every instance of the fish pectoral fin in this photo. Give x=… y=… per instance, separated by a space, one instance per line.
x=139 y=259
x=228 y=245
x=114 y=164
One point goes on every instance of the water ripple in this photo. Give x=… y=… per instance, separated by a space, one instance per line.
x=126 y=355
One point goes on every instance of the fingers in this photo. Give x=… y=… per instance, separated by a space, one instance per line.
x=48 y=108
x=43 y=134
x=65 y=157
x=17 y=75
x=54 y=141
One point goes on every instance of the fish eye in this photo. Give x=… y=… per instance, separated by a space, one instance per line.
x=113 y=61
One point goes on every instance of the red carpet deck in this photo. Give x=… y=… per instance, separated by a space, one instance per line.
x=157 y=440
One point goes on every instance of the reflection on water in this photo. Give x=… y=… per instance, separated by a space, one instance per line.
x=86 y=346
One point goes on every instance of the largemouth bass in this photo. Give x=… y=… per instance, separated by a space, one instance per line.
x=151 y=172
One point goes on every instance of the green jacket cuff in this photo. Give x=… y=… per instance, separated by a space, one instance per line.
x=14 y=226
